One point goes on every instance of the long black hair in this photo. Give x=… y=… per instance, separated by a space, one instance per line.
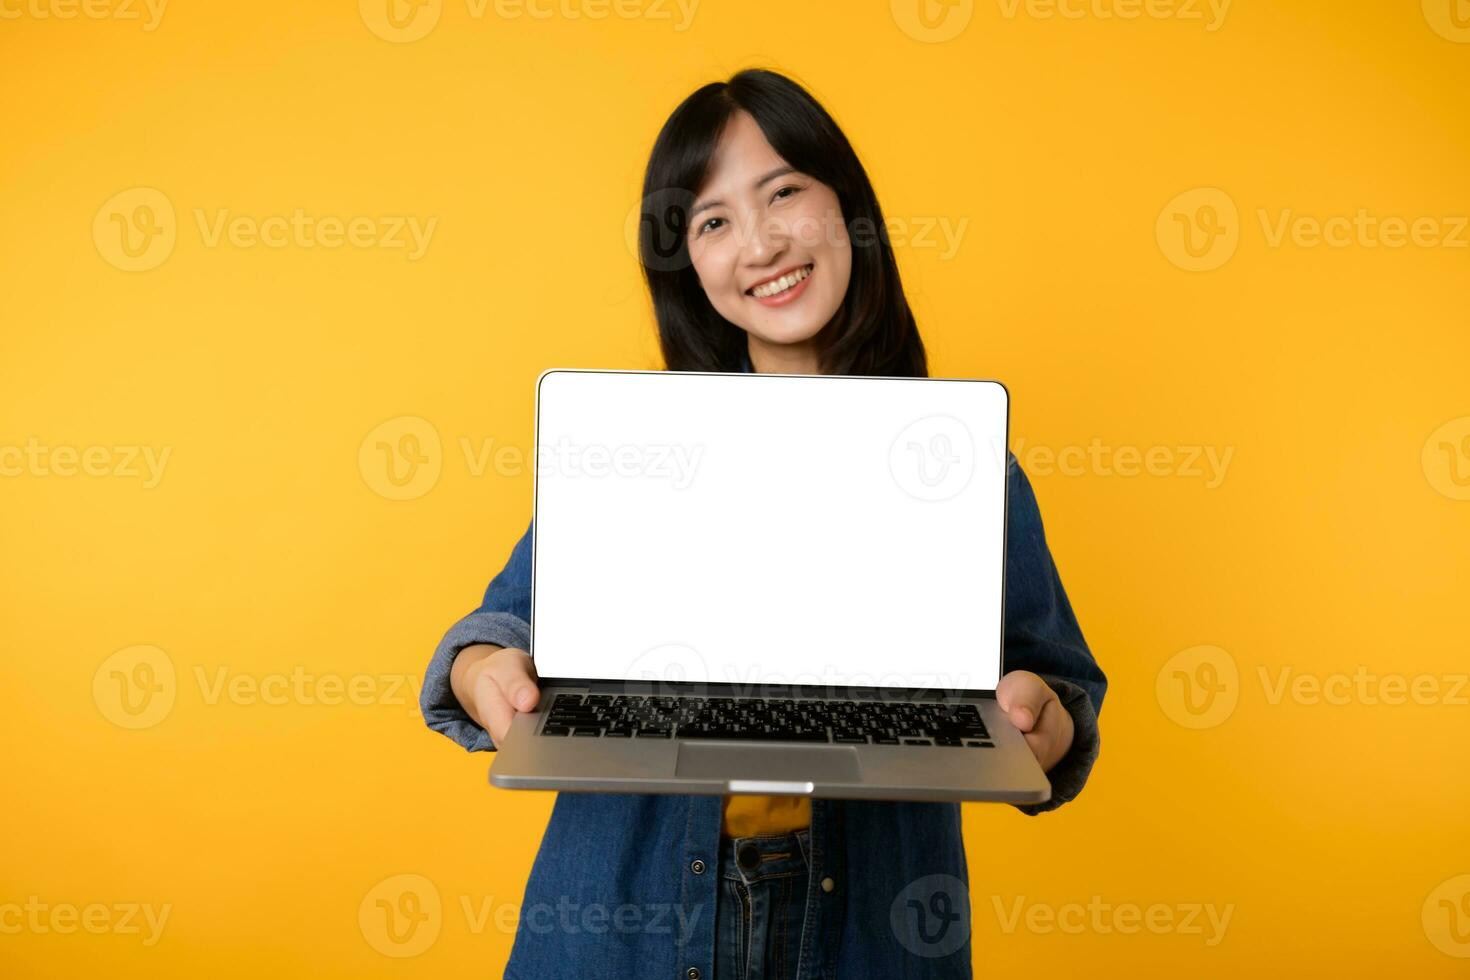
x=873 y=331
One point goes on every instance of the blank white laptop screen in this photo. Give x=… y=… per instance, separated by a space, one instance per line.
x=769 y=529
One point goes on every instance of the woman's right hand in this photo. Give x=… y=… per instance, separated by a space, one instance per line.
x=492 y=684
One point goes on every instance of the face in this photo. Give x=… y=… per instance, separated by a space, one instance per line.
x=768 y=244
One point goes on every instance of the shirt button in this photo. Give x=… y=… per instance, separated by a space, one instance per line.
x=697 y=866
x=692 y=973
x=828 y=884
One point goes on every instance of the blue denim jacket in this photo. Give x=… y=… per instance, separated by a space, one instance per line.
x=623 y=885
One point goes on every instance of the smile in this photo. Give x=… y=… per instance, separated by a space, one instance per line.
x=782 y=288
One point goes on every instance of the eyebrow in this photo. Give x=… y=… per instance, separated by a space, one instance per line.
x=765 y=179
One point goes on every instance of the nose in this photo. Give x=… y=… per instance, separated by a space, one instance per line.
x=765 y=240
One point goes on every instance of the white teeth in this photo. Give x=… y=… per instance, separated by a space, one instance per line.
x=782 y=284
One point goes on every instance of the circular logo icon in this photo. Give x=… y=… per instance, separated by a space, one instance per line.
x=660 y=222
x=1198 y=687
x=933 y=458
x=931 y=916
x=1446 y=458
x=402 y=458
x=401 y=916
x=1199 y=230
x=1450 y=19
x=1446 y=916
x=135 y=230
x=932 y=21
x=668 y=663
x=135 y=687
x=400 y=21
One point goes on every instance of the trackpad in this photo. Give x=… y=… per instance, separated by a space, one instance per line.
x=744 y=763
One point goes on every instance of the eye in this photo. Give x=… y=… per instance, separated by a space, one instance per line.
x=713 y=224
x=786 y=191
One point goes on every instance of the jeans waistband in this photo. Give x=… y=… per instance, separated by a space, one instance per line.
x=752 y=859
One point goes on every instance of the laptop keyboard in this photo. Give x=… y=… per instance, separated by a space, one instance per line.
x=766 y=720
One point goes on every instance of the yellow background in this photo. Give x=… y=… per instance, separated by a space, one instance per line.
x=1334 y=541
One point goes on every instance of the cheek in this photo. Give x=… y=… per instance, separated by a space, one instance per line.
x=715 y=271
x=837 y=253
x=818 y=229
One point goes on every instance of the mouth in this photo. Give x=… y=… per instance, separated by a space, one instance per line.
x=783 y=287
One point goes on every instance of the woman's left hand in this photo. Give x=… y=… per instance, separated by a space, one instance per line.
x=1034 y=708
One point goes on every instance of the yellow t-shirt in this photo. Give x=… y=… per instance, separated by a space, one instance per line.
x=751 y=816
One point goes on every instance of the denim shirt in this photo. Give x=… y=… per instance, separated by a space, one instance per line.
x=623 y=885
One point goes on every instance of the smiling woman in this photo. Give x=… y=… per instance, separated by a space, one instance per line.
x=761 y=240
x=762 y=234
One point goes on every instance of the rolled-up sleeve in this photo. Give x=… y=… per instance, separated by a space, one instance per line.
x=1043 y=636
x=502 y=619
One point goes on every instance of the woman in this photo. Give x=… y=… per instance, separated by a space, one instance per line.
x=762 y=244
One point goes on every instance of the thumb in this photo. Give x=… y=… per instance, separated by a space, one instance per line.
x=523 y=691
x=1023 y=695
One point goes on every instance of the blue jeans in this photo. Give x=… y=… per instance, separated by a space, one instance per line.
x=761 y=905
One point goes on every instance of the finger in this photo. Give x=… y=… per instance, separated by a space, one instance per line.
x=513 y=671
x=1042 y=744
x=1023 y=696
x=493 y=708
x=1052 y=735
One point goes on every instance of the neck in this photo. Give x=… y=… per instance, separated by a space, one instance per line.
x=769 y=358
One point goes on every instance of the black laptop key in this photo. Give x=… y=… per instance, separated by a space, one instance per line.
x=790 y=735
x=563 y=721
x=968 y=731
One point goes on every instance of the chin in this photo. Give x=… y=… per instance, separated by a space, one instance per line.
x=794 y=326
x=785 y=333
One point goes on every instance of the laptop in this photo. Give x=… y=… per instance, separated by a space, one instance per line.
x=769 y=583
